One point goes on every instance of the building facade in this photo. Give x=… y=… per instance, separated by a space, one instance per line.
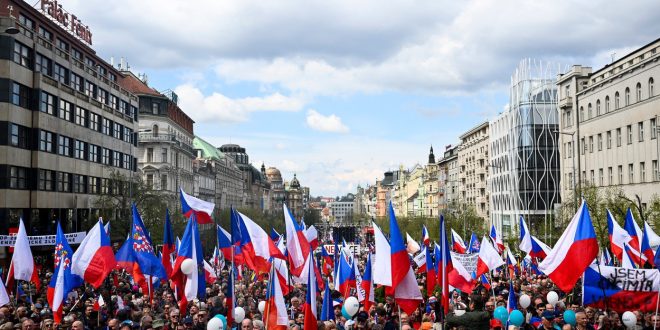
x=342 y=210
x=473 y=160
x=430 y=187
x=227 y=178
x=256 y=189
x=524 y=147
x=67 y=124
x=609 y=125
x=165 y=141
x=448 y=183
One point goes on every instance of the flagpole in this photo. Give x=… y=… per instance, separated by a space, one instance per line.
x=399 y=307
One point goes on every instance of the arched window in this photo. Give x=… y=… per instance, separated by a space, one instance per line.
x=651 y=94
x=607 y=104
x=616 y=101
x=581 y=114
x=589 y=112
x=154 y=130
x=597 y=107
x=627 y=96
x=638 y=92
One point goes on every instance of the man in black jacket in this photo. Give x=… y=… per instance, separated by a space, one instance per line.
x=476 y=318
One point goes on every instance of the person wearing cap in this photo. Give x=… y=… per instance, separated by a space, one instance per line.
x=361 y=320
x=548 y=321
x=187 y=322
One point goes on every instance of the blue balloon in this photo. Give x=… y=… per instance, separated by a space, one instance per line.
x=501 y=314
x=344 y=313
x=569 y=317
x=516 y=318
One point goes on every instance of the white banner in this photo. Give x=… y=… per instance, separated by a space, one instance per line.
x=420 y=258
x=355 y=249
x=469 y=261
x=72 y=238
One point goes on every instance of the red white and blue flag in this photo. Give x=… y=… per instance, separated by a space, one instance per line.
x=618 y=236
x=635 y=243
x=168 y=246
x=525 y=237
x=309 y=309
x=193 y=284
x=192 y=205
x=367 y=285
x=345 y=278
x=539 y=249
x=143 y=249
x=511 y=303
x=426 y=239
x=400 y=263
x=457 y=242
x=224 y=242
x=94 y=259
x=618 y=289
x=575 y=250
x=256 y=246
x=497 y=239
x=297 y=245
x=312 y=236
x=488 y=259
x=646 y=247
x=275 y=313
x=474 y=244
x=62 y=281
x=327 y=262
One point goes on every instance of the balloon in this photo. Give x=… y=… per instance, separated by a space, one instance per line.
x=629 y=319
x=525 y=301
x=223 y=319
x=501 y=314
x=344 y=313
x=569 y=317
x=516 y=318
x=553 y=298
x=215 y=323
x=459 y=312
x=262 y=306
x=239 y=314
x=187 y=266
x=352 y=305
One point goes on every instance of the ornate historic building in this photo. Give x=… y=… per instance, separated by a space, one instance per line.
x=256 y=189
x=227 y=177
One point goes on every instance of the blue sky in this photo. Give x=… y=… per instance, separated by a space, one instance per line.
x=339 y=92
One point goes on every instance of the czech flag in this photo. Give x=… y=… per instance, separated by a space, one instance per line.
x=488 y=259
x=614 y=288
x=282 y=269
x=256 y=246
x=143 y=249
x=539 y=249
x=654 y=239
x=312 y=236
x=126 y=261
x=431 y=274
x=485 y=282
x=400 y=260
x=190 y=249
x=635 y=243
x=426 y=240
x=275 y=313
x=345 y=278
x=310 y=322
x=511 y=303
x=168 y=246
x=201 y=209
x=458 y=244
x=23 y=265
x=224 y=242
x=94 y=259
x=327 y=310
x=627 y=261
x=497 y=239
x=525 y=237
x=646 y=247
x=296 y=243
x=327 y=262
x=574 y=251
x=367 y=285
x=618 y=236
x=512 y=263
x=62 y=281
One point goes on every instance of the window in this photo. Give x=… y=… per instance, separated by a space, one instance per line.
x=20 y=95
x=93 y=153
x=61 y=44
x=127 y=161
x=22 y=55
x=26 y=25
x=106 y=156
x=589 y=112
x=77 y=82
x=81 y=116
x=127 y=134
x=609 y=139
x=18 y=136
x=600 y=177
x=591 y=144
x=616 y=101
x=618 y=137
x=45 y=34
x=76 y=54
x=93 y=187
x=600 y=142
x=638 y=92
x=163 y=182
x=609 y=175
x=150 y=180
x=116 y=159
x=642 y=172
x=581 y=114
x=630 y=134
x=584 y=146
x=654 y=129
x=631 y=173
x=103 y=96
x=107 y=127
x=90 y=62
x=117 y=132
x=105 y=186
x=90 y=89
x=607 y=104
x=94 y=121
x=61 y=74
x=79 y=149
x=64 y=145
x=43 y=64
x=46 y=180
x=150 y=155
x=155 y=109
x=597 y=107
x=63 y=182
x=46 y=141
x=593 y=179
x=79 y=183
x=620 y=172
x=114 y=102
x=17 y=177
x=640 y=131
x=65 y=110
x=651 y=91
x=627 y=96
x=123 y=107
x=47 y=103
x=654 y=165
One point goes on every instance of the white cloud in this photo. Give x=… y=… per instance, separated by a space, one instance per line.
x=331 y=123
x=218 y=107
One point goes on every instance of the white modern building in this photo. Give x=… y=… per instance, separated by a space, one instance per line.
x=473 y=163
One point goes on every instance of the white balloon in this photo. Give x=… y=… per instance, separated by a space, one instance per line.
x=262 y=306
x=214 y=324
x=239 y=314
x=459 y=312
x=187 y=266
x=629 y=319
x=525 y=301
x=352 y=305
x=553 y=298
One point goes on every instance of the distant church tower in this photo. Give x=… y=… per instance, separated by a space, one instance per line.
x=431 y=156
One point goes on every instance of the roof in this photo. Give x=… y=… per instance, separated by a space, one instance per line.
x=208 y=150
x=136 y=86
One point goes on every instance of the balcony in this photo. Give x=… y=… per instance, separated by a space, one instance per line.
x=165 y=138
x=566 y=102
